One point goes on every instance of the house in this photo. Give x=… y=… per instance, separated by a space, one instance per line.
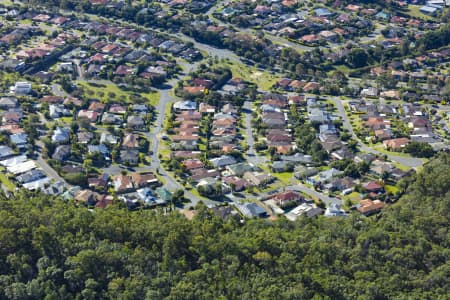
x=318 y=115
x=201 y=173
x=19 y=139
x=206 y=108
x=222 y=161
x=322 y=12
x=334 y=210
x=84 y=137
x=97 y=107
x=240 y=168
x=143 y=179
x=343 y=153
x=383 y=134
x=258 y=178
x=65 y=67
x=368 y=207
x=14 y=160
x=429 y=10
x=185 y=105
x=136 y=122
x=140 y=108
x=86 y=197
x=308 y=209
x=379 y=167
x=117 y=109
x=376 y=123
x=235 y=183
x=396 y=144
x=251 y=210
x=30 y=176
x=370 y=92
x=146 y=195
x=55 y=189
x=104 y=201
x=88 y=114
x=111 y=119
x=22 y=167
x=229 y=109
x=225 y=212
x=12 y=117
x=108 y=138
x=192 y=164
x=57 y=111
x=185 y=154
x=324 y=176
x=8 y=102
x=209 y=185
x=122 y=183
x=101 y=181
x=61 y=153
x=21 y=88
x=60 y=135
x=5 y=152
x=418 y=122
x=372 y=187
x=341 y=184
x=130 y=141
x=124 y=70
x=102 y=149
x=287 y=198
x=328 y=35
x=129 y=156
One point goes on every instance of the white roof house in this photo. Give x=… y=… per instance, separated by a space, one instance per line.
x=22 y=167
x=21 y=88
x=37 y=184
x=13 y=160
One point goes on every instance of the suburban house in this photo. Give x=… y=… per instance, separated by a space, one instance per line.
x=396 y=144
x=287 y=198
x=368 y=207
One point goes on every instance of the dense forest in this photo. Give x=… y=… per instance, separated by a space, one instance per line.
x=51 y=249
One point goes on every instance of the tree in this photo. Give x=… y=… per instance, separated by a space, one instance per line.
x=419 y=149
x=178 y=196
x=357 y=58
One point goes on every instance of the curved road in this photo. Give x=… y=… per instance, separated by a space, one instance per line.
x=406 y=161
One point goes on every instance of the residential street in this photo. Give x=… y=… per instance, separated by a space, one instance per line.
x=46 y=167
x=252 y=155
x=311 y=192
x=57 y=90
x=406 y=161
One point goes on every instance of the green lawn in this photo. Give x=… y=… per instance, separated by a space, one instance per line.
x=414 y=11
x=284 y=177
x=264 y=79
x=391 y=189
x=381 y=149
x=103 y=93
x=5 y=181
x=343 y=68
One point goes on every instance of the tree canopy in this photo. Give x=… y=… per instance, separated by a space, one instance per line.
x=51 y=249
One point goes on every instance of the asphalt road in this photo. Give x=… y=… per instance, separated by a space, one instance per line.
x=57 y=90
x=47 y=168
x=406 y=161
x=252 y=155
x=324 y=198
